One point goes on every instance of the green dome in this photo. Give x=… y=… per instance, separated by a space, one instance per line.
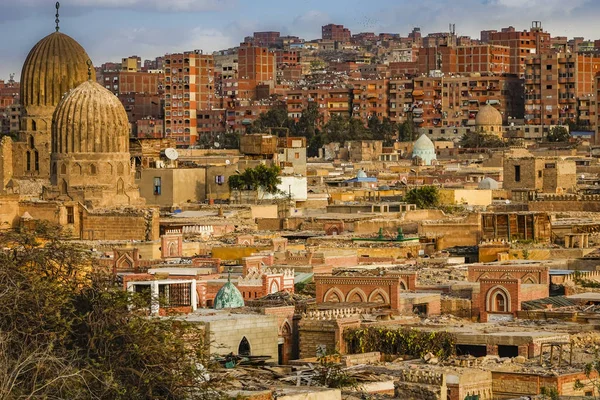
x=228 y=297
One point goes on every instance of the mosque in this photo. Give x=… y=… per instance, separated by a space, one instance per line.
x=70 y=163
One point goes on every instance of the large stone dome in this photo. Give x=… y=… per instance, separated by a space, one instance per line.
x=90 y=119
x=55 y=65
x=488 y=116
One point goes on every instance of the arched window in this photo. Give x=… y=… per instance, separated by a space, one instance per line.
x=31 y=141
x=499 y=302
x=33 y=127
x=120 y=169
x=244 y=347
x=120 y=186
x=64 y=187
x=63 y=169
x=36 y=161
x=93 y=169
x=28 y=161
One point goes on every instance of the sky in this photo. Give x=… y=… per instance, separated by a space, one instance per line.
x=112 y=29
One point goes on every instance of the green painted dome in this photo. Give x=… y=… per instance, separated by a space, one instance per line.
x=228 y=297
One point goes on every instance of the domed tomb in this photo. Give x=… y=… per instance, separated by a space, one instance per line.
x=228 y=296
x=90 y=149
x=489 y=119
x=55 y=65
x=488 y=183
x=424 y=149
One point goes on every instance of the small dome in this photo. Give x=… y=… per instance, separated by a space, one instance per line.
x=423 y=143
x=228 y=297
x=488 y=183
x=55 y=65
x=361 y=174
x=424 y=149
x=488 y=116
x=90 y=119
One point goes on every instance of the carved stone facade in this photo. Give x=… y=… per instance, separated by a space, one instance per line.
x=364 y=289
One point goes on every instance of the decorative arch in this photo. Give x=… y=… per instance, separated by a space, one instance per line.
x=403 y=285
x=494 y=296
x=333 y=295
x=31 y=139
x=93 y=169
x=125 y=262
x=64 y=187
x=507 y=275
x=379 y=296
x=172 y=249
x=75 y=169
x=485 y=275
x=63 y=169
x=33 y=128
x=274 y=286
x=356 y=295
x=529 y=279
x=120 y=169
x=286 y=329
x=244 y=348
x=120 y=186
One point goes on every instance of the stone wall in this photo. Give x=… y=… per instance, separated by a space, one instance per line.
x=140 y=224
x=513 y=385
x=261 y=331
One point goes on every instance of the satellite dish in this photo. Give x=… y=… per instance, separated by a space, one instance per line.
x=227 y=162
x=216 y=144
x=171 y=154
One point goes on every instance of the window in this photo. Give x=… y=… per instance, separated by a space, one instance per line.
x=70 y=215
x=517 y=173
x=220 y=179
x=157 y=186
x=296 y=155
x=539 y=174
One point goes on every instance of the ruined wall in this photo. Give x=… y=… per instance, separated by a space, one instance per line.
x=141 y=224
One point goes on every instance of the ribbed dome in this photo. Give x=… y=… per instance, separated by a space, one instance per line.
x=55 y=65
x=90 y=119
x=488 y=116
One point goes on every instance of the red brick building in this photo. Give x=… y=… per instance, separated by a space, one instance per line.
x=337 y=33
x=522 y=44
x=256 y=65
x=189 y=86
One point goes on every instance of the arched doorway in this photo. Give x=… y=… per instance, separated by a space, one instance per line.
x=244 y=347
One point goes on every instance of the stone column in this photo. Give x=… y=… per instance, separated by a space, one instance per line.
x=194 y=295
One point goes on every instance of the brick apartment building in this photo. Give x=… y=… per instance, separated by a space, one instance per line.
x=9 y=99
x=189 y=86
x=256 y=65
x=522 y=44
x=337 y=33
x=553 y=85
x=464 y=59
x=264 y=39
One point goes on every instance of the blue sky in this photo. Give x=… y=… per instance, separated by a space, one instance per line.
x=112 y=29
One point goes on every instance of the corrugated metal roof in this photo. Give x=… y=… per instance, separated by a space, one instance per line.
x=540 y=304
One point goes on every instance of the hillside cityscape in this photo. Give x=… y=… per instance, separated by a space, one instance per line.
x=364 y=215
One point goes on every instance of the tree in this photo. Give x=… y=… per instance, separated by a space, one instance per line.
x=406 y=131
x=423 y=197
x=592 y=373
x=67 y=331
x=474 y=140
x=260 y=178
x=558 y=134
x=276 y=117
x=384 y=130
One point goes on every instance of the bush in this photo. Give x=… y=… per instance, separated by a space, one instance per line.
x=403 y=341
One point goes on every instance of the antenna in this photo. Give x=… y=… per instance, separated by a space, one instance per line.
x=57 y=5
x=452 y=29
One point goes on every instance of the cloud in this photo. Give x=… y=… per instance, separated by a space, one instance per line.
x=149 y=5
